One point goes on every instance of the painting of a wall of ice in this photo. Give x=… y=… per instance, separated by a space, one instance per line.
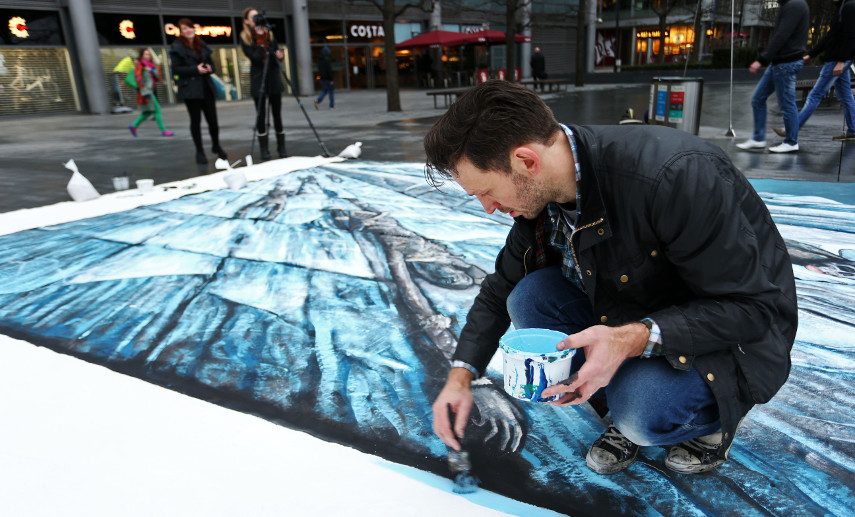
x=330 y=299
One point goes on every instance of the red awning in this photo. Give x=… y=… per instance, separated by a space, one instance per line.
x=491 y=37
x=429 y=39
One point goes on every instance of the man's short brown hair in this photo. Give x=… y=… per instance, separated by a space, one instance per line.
x=483 y=126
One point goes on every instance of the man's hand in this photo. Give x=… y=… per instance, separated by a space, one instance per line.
x=806 y=58
x=755 y=67
x=606 y=348
x=838 y=68
x=457 y=396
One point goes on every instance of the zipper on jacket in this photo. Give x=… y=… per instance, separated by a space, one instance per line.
x=525 y=265
x=573 y=248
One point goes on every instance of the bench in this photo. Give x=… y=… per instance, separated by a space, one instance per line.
x=449 y=95
x=551 y=84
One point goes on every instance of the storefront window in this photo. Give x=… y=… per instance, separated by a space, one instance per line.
x=23 y=27
x=405 y=31
x=128 y=29
x=36 y=80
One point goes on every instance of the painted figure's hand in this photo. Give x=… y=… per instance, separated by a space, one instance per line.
x=606 y=348
x=499 y=414
x=838 y=68
x=755 y=67
x=456 y=396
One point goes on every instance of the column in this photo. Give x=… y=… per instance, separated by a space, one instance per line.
x=592 y=35
x=302 y=47
x=88 y=55
x=525 y=48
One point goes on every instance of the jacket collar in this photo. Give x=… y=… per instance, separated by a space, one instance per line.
x=593 y=210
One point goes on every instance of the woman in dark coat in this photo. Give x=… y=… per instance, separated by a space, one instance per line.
x=260 y=46
x=192 y=63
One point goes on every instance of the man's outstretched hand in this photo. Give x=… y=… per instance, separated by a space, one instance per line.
x=606 y=348
x=457 y=397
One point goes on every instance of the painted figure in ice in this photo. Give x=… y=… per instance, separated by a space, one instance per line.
x=648 y=247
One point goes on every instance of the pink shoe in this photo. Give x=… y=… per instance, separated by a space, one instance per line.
x=167 y=133
x=133 y=130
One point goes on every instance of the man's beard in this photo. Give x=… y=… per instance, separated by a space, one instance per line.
x=531 y=196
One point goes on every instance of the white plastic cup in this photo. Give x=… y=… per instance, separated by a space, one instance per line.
x=121 y=183
x=532 y=363
x=235 y=180
x=145 y=185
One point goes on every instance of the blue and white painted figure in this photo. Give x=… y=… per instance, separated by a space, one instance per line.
x=326 y=299
x=532 y=363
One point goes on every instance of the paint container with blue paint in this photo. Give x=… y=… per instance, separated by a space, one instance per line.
x=532 y=363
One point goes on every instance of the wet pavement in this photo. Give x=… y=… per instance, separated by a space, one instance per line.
x=33 y=149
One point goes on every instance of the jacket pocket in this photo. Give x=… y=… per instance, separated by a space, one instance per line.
x=764 y=366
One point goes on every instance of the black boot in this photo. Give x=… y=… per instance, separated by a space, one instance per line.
x=216 y=149
x=200 y=157
x=280 y=145
x=262 y=144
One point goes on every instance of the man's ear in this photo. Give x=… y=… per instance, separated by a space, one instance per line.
x=525 y=158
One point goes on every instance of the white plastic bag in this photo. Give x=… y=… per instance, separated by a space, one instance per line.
x=79 y=188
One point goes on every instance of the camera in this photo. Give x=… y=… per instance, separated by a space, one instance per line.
x=260 y=20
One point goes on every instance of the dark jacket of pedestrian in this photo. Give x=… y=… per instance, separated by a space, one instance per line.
x=260 y=51
x=789 y=37
x=838 y=44
x=185 y=60
x=538 y=65
x=670 y=229
x=325 y=70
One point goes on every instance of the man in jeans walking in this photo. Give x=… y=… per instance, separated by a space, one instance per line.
x=837 y=47
x=783 y=56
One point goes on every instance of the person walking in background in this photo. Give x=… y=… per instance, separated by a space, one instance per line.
x=326 y=74
x=260 y=46
x=538 y=67
x=838 y=49
x=192 y=63
x=147 y=76
x=783 y=58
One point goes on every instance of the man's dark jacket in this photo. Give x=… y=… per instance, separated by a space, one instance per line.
x=838 y=44
x=670 y=230
x=191 y=84
x=789 y=37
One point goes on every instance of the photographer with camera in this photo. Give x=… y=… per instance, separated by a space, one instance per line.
x=260 y=46
x=192 y=63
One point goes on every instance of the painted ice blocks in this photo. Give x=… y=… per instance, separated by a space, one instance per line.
x=330 y=300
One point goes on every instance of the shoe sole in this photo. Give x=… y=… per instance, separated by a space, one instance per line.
x=608 y=469
x=784 y=152
x=692 y=469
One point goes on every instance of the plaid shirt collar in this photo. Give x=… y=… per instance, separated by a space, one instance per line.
x=563 y=221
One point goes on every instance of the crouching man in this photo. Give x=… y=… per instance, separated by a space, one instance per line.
x=645 y=245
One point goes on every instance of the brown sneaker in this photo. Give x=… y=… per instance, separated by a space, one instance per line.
x=845 y=137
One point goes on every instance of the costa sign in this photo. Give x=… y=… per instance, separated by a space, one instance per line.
x=365 y=31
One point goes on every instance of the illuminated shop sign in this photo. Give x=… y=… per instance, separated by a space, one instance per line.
x=211 y=31
x=651 y=34
x=18 y=27
x=365 y=31
x=126 y=29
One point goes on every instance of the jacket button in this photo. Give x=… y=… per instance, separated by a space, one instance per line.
x=710 y=377
x=682 y=359
x=654 y=253
x=624 y=279
x=600 y=232
x=589 y=272
x=603 y=318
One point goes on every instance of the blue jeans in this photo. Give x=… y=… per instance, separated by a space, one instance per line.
x=327 y=87
x=841 y=84
x=650 y=402
x=780 y=79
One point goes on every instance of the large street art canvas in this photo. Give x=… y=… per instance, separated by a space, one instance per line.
x=330 y=299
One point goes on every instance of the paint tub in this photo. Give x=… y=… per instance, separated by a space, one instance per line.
x=532 y=363
x=121 y=183
x=145 y=185
x=235 y=180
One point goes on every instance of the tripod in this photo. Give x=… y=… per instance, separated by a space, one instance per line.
x=262 y=109
x=326 y=151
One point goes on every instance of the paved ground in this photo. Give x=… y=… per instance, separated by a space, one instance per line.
x=32 y=149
